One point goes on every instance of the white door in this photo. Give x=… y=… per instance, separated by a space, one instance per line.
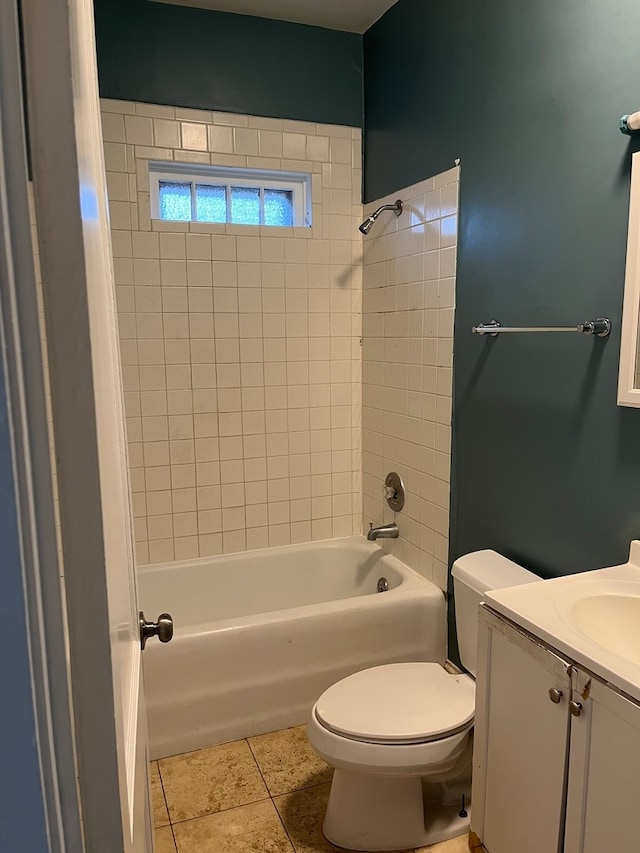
x=75 y=253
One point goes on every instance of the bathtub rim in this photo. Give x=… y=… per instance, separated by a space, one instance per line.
x=236 y=556
x=411 y=583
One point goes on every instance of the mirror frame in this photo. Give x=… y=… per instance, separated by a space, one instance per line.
x=628 y=394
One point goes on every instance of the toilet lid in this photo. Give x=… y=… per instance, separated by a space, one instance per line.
x=398 y=703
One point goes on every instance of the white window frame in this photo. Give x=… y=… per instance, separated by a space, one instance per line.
x=297 y=183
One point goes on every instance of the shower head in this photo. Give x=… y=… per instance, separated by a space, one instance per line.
x=367 y=225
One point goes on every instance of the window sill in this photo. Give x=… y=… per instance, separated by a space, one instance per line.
x=178 y=227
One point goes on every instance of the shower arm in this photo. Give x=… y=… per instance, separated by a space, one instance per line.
x=366 y=226
x=396 y=207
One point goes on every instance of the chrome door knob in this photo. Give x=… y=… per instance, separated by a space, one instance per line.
x=575 y=708
x=555 y=695
x=162 y=629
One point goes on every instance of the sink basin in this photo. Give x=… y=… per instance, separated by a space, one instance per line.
x=608 y=614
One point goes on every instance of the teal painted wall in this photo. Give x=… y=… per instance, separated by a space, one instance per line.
x=185 y=57
x=528 y=95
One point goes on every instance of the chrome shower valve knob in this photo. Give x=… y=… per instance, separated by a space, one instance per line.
x=393 y=491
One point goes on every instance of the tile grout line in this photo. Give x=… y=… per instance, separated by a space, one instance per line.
x=166 y=805
x=284 y=826
x=268 y=795
x=173 y=823
x=271 y=797
x=256 y=762
x=220 y=811
x=282 y=793
x=164 y=796
x=273 y=803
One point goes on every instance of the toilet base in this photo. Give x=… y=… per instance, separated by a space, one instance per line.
x=384 y=813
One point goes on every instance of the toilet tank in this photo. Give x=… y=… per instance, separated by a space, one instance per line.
x=473 y=575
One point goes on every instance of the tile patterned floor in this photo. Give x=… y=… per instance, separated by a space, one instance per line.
x=266 y=794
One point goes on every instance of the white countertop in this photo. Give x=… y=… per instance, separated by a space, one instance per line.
x=546 y=609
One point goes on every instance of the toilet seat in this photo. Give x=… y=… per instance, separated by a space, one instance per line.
x=400 y=703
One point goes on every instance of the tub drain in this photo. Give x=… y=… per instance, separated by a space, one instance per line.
x=383 y=585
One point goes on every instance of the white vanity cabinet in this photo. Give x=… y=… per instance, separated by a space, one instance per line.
x=556 y=752
x=520 y=746
x=603 y=790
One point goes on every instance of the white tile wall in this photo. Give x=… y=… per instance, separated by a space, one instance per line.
x=240 y=345
x=408 y=312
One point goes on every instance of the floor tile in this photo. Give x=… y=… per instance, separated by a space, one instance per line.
x=158 y=805
x=288 y=762
x=455 y=845
x=163 y=842
x=302 y=813
x=219 y=803
x=210 y=780
x=249 y=829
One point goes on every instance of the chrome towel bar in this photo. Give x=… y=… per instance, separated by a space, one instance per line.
x=600 y=327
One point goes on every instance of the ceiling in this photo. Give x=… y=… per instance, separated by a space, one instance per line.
x=353 y=16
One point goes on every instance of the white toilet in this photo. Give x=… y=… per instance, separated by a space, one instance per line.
x=400 y=737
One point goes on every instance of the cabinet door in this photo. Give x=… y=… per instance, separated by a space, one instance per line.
x=604 y=774
x=521 y=742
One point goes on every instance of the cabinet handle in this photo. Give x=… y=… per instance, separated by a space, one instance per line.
x=575 y=708
x=555 y=695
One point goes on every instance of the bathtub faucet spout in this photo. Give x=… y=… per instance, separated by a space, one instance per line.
x=385 y=531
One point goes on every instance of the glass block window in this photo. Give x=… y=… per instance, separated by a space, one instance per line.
x=278 y=207
x=211 y=203
x=245 y=206
x=175 y=200
x=182 y=192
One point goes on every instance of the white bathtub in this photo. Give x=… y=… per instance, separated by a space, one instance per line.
x=260 y=635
